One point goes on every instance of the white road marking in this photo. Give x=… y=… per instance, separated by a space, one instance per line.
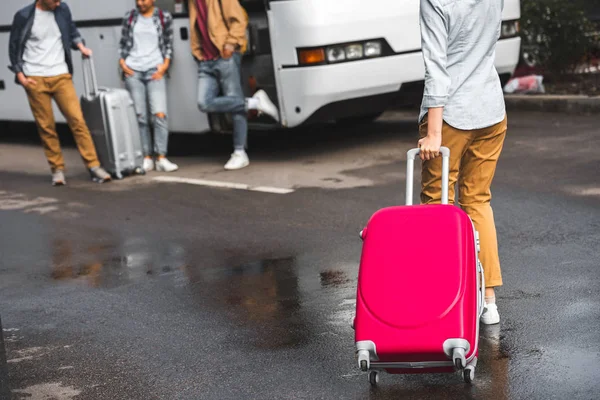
x=20 y=359
x=221 y=184
x=39 y=205
x=19 y=202
x=50 y=391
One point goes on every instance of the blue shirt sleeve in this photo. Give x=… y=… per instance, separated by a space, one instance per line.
x=434 y=43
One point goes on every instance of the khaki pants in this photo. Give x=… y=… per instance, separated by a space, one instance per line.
x=473 y=158
x=61 y=89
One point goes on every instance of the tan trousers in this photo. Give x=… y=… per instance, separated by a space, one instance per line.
x=61 y=89
x=473 y=158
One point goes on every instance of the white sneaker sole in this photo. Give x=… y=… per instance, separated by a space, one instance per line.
x=160 y=169
x=230 y=168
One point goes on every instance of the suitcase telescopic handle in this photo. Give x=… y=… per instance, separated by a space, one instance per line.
x=410 y=168
x=90 y=84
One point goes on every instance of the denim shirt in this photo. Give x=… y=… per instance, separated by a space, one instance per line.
x=458 y=38
x=21 y=30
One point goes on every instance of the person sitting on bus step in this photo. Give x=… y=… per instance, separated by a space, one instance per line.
x=463 y=109
x=41 y=37
x=218 y=39
x=146 y=48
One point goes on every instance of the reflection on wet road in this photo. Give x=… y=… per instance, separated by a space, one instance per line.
x=114 y=264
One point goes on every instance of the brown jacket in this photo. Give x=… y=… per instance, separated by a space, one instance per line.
x=224 y=27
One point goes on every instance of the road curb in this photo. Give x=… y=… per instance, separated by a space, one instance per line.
x=553 y=103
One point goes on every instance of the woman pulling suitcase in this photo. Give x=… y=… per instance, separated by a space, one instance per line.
x=463 y=109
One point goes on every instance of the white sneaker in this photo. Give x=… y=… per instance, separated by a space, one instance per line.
x=265 y=105
x=490 y=314
x=237 y=161
x=148 y=164
x=164 y=165
x=58 y=178
x=99 y=175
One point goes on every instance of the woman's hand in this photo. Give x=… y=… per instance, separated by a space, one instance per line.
x=161 y=70
x=126 y=70
x=430 y=146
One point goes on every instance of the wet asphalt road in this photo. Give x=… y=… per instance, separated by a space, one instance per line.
x=173 y=291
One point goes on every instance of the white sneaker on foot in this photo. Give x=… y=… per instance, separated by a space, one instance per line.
x=58 y=178
x=265 y=105
x=490 y=314
x=148 y=164
x=164 y=165
x=99 y=175
x=238 y=160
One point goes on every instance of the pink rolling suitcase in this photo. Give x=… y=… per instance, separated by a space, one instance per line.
x=420 y=288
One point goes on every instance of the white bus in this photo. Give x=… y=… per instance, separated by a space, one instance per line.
x=319 y=60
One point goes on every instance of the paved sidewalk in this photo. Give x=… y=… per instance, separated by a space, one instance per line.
x=570 y=104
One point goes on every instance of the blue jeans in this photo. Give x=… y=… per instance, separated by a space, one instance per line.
x=150 y=96
x=223 y=76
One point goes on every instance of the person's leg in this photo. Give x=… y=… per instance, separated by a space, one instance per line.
x=209 y=101
x=157 y=98
x=231 y=87
x=137 y=89
x=40 y=102
x=66 y=98
x=478 y=169
x=477 y=172
x=431 y=173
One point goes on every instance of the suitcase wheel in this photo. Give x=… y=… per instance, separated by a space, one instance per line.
x=458 y=355
x=140 y=171
x=469 y=374
x=374 y=378
x=364 y=366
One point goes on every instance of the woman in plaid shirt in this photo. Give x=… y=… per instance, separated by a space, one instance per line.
x=146 y=50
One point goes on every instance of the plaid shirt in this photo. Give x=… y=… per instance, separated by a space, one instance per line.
x=165 y=35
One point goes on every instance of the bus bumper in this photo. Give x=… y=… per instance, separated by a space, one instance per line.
x=335 y=91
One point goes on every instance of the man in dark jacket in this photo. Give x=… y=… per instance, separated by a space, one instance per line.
x=41 y=37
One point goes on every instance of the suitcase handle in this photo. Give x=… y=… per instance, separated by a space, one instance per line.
x=90 y=84
x=410 y=167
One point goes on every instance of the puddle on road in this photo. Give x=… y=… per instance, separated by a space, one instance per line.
x=261 y=296
x=333 y=278
x=107 y=264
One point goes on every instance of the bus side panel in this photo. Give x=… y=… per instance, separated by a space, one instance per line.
x=13 y=100
x=183 y=113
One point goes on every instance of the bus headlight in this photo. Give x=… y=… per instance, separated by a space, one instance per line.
x=354 y=51
x=509 y=29
x=344 y=52
x=372 y=49
x=336 y=54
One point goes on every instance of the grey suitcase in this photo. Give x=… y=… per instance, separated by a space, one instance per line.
x=112 y=120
